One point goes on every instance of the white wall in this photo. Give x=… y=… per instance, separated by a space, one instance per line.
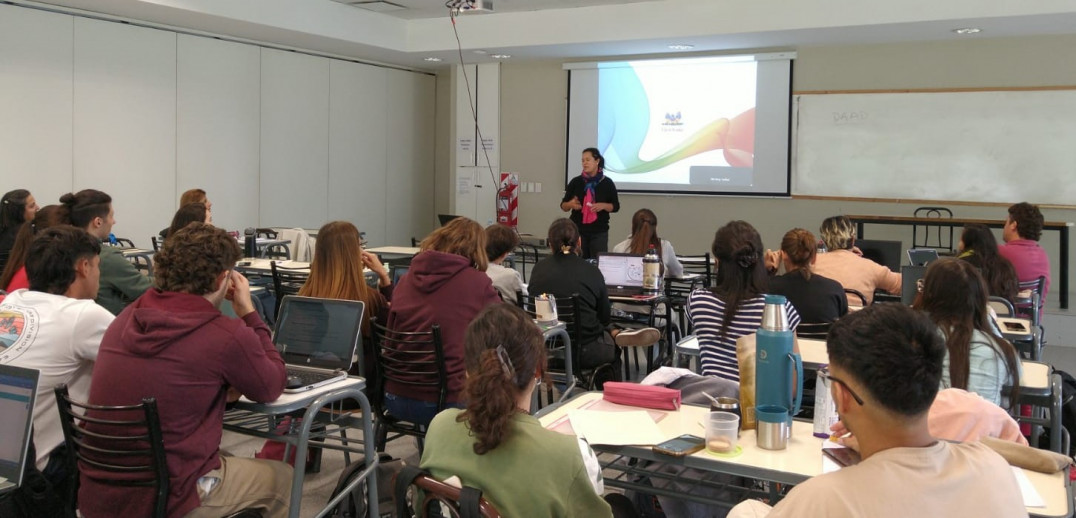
x=276 y=138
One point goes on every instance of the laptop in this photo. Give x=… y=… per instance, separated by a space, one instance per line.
x=318 y=339
x=18 y=391
x=909 y=283
x=922 y=256
x=623 y=273
x=397 y=271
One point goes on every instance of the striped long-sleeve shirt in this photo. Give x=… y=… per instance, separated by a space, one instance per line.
x=707 y=314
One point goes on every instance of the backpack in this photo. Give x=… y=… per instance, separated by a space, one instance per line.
x=36 y=497
x=1068 y=413
x=353 y=504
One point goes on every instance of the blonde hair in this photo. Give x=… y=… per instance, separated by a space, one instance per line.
x=337 y=270
x=838 y=233
x=461 y=236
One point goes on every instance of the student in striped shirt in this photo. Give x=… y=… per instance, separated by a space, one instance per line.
x=733 y=307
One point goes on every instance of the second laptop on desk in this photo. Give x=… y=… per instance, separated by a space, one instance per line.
x=623 y=273
x=318 y=339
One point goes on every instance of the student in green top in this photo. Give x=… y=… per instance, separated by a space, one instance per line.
x=121 y=282
x=496 y=446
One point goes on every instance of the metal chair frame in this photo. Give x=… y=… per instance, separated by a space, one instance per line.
x=391 y=360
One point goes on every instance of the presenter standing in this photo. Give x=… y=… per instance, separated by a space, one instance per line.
x=591 y=197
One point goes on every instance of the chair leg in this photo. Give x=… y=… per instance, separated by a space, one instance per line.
x=380 y=437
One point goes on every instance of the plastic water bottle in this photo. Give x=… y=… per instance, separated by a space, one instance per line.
x=825 y=410
x=651 y=271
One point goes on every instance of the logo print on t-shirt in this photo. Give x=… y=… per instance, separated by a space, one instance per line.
x=18 y=326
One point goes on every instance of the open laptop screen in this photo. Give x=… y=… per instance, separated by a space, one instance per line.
x=321 y=333
x=18 y=388
x=621 y=269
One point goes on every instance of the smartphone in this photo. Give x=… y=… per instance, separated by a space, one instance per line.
x=681 y=446
x=844 y=457
x=1015 y=326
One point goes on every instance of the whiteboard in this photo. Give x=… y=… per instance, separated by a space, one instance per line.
x=993 y=146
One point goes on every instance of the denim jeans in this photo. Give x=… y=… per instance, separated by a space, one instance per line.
x=413 y=410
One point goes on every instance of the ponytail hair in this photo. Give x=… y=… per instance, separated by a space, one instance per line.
x=503 y=352
x=741 y=273
x=644 y=232
x=563 y=236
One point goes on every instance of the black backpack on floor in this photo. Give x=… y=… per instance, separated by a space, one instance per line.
x=354 y=504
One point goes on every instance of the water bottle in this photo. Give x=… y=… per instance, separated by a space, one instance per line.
x=776 y=365
x=651 y=271
x=250 y=242
x=825 y=409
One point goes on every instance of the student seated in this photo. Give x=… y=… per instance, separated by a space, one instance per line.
x=817 y=299
x=1023 y=228
x=644 y=234
x=884 y=371
x=446 y=285
x=14 y=275
x=121 y=282
x=845 y=266
x=978 y=247
x=733 y=308
x=188 y=197
x=56 y=327
x=174 y=344
x=500 y=241
x=495 y=445
x=188 y=214
x=16 y=208
x=976 y=360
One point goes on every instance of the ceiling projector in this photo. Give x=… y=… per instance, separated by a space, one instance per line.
x=471 y=6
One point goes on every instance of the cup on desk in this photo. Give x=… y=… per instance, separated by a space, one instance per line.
x=773 y=426
x=730 y=405
x=722 y=429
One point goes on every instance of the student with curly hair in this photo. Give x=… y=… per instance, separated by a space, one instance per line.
x=1023 y=228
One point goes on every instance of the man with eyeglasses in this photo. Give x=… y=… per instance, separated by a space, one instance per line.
x=884 y=372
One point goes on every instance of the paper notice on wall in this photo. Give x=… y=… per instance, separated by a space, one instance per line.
x=464 y=185
x=489 y=144
x=465 y=145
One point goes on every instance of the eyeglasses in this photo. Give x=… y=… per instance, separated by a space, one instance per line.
x=826 y=378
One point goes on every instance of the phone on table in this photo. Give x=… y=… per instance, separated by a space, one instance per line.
x=844 y=457
x=680 y=446
x=1015 y=326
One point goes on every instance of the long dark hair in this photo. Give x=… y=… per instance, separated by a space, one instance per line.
x=503 y=351
x=13 y=209
x=999 y=273
x=563 y=237
x=955 y=297
x=644 y=232
x=48 y=216
x=740 y=272
x=186 y=215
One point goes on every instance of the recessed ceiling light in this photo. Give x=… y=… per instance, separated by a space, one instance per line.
x=480 y=51
x=432 y=59
x=681 y=46
x=500 y=56
x=967 y=30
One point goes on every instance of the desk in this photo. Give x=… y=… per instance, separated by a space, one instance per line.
x=137 y=255
x=395 y=254
x=551 y=332
x=800 y=461
x=1062 y=227
x=263 y=244
x=264 y=419
x=261 y=266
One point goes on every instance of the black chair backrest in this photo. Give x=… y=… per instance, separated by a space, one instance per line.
x=813 y=330
x=265 y=233
x=932 y=212
x=286 y=282
x=567 y=312
x=409 y=358
x=857 y=293
x=156 y=243
x=123 y=242
x=116 y=445
x=1031 y=306
x=699 y=264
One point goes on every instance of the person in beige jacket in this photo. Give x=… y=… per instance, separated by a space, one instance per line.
x=843 y=264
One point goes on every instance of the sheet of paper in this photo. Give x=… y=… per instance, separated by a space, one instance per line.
x=616 y=428
x=1032 y=498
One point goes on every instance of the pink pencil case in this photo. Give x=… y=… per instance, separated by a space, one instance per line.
x=645 y=396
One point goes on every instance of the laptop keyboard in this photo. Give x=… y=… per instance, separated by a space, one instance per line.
x=310 y=378
x=625 y=292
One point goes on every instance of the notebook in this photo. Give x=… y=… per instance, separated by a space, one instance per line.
x=318 y=339
x=909 y=283
x=922 y=256
x=18 y=390
x=623 y=274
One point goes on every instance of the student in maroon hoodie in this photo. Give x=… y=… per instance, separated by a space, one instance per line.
x=446 y=285
x=174 y=344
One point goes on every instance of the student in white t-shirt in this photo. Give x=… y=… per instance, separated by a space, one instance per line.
x=500 y=241
x=55 y=326
x=884 y=371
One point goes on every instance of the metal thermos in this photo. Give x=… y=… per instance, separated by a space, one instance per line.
x=250 y=243
x=778 y=370
x=652 y=271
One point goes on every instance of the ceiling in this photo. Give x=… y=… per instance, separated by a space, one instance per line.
x=414 y=9
x=585 y=29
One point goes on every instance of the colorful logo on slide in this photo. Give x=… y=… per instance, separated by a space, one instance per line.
x=624 y=120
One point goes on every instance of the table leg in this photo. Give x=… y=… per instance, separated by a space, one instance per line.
x=859 y=230
x=1064 y=297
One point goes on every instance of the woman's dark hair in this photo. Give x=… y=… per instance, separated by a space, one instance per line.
x=503 y=351
x=955 y=297
x=51 y=263
x=563 y=236
x=186 y=215
x=13 y=209
x=741 y=273
x=48 y=216
x=644 y=232
x=500 y=239
x=997 y=271
x=85 y=205
x=597 y=155
x=800 y=247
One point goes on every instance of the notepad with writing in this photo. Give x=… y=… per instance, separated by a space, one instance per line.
x=616 y=428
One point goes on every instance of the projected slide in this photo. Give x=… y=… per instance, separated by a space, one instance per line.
x=661 y=123
x=684 y=125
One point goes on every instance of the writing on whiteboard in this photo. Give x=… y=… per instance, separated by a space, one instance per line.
x=849 y=117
